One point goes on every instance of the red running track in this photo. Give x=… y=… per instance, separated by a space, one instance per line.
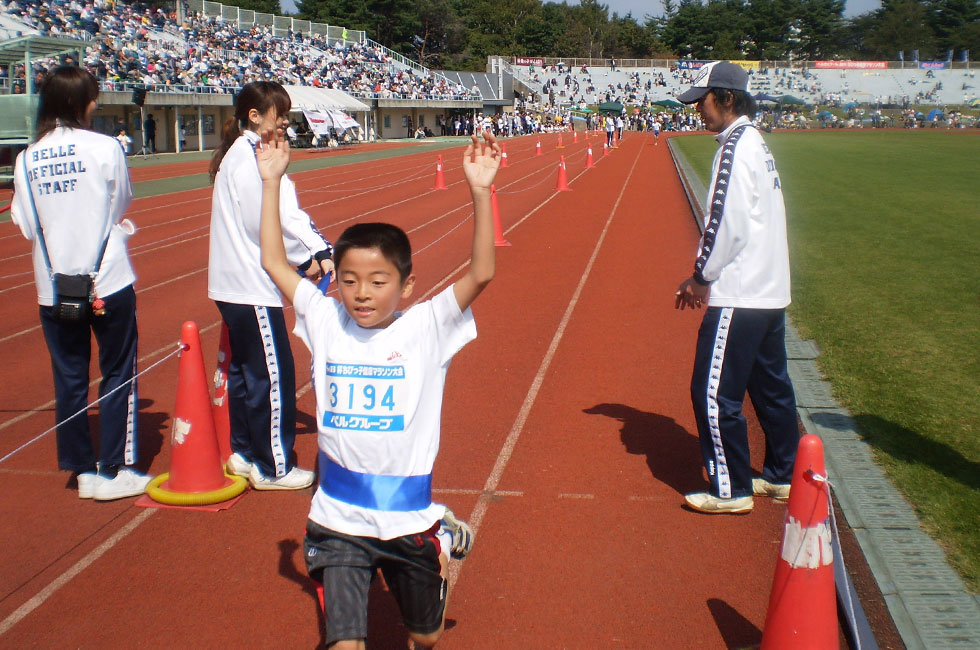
x=568 y=436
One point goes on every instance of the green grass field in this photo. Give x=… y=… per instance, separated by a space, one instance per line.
x=884 y=246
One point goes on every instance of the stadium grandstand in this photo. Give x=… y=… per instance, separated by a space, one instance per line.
x=184 y=64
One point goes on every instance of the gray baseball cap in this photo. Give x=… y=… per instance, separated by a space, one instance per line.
x=717 y=74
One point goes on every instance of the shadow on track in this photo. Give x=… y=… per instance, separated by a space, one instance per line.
x=672 y=453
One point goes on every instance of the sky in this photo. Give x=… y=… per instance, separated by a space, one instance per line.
x=640 y=8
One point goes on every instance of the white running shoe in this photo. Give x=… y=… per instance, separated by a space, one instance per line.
x=127 y=483
x=705 y=502
x=461 y=532
x=87 y=482
x=763 y=488
x=238 y=466
x=295 y=479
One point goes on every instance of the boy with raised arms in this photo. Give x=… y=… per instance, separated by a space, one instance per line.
x=378 y=376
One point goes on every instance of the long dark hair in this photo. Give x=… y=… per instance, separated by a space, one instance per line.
x=260 y=95
x=65 y=95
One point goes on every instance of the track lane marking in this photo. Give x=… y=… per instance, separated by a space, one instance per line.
x=507 y=450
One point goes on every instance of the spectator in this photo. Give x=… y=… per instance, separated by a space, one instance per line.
x=150 y=128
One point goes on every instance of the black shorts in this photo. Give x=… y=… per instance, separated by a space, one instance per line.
x=346 y=565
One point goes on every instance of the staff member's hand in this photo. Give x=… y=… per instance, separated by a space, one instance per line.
x=691 y=294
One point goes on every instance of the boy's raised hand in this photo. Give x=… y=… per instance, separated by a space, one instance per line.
x=272 y=156
x=481 y=160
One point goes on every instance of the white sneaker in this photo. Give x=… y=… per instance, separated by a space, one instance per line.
x=461 y=533
x=705 y=502
x=296 y=479
x=128 y=483
x=87 y=482
x=763 y=488
x=238 y=466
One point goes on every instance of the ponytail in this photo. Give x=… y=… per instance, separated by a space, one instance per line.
x=229 y=133
x=260 y=95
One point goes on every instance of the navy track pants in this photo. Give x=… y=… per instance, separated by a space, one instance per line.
x=261 y=386
x=741 y=350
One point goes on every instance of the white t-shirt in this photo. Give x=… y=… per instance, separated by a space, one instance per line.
x=235 y=272
x=379 y=400
x=80 y=183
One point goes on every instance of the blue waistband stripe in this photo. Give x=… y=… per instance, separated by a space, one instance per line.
x=375 y=491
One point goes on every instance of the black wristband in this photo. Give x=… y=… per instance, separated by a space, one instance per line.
x=305 y=266
x=697 y=277
x=325 y=254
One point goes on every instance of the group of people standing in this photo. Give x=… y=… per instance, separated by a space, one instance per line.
x=72 y=190
x=373 y=508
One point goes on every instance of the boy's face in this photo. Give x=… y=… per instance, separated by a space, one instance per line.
x=371 y=288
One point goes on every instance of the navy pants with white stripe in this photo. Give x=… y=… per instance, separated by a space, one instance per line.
x=743 y=350
x=261 y=386
x=70 y=346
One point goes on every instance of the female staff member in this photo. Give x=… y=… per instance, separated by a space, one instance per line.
x=71 y=192
x=261 y=377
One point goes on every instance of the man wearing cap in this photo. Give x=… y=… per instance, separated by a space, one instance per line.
x=742 y=276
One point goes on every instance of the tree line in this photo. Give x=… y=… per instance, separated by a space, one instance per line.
x=461 y=34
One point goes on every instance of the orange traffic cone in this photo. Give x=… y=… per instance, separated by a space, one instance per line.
x=588 y=158
x=605 y=148
x=440 y=179
x=615 y=140
x=537 y=149
x=503 y=155
x=802 y=607
x=219 y=406
x=574 y=136
x=498 y=231
x=562 y=184
x=196 y=476
x=560 y=145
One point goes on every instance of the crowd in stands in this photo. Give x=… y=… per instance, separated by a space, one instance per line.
x=134 y=44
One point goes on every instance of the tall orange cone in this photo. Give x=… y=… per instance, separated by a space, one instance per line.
x=498 y=231
x=615 y=140
x=219 y=406
x=574 y=136
x=196 y=476
x=605 y=148
x=588 y=158
x=802 y=606
x=537 y=149
x=503 y=155
x=560 y=145
x=562 y=184
x=440 y=179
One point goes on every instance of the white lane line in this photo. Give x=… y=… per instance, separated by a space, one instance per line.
x=59 y=582
x=480 y=510
x=573 y=495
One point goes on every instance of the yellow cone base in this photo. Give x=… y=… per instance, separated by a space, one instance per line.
x=235 y=485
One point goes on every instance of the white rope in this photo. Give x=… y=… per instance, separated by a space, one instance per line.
x=833 y=523
x=180 y=347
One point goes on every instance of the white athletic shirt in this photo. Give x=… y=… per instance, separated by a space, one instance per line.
x=235 y=272
x=367 y=380
x=81 y=188
x=748 y=264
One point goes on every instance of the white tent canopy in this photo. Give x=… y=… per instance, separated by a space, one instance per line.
x=312 y=98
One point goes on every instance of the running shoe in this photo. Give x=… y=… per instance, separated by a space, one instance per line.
x=461 y=533
x=705 y=502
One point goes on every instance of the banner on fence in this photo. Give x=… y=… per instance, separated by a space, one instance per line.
x=691 y=65
x=529 y=60
x=748 y=65
x=851 y=65
x=933 y=65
